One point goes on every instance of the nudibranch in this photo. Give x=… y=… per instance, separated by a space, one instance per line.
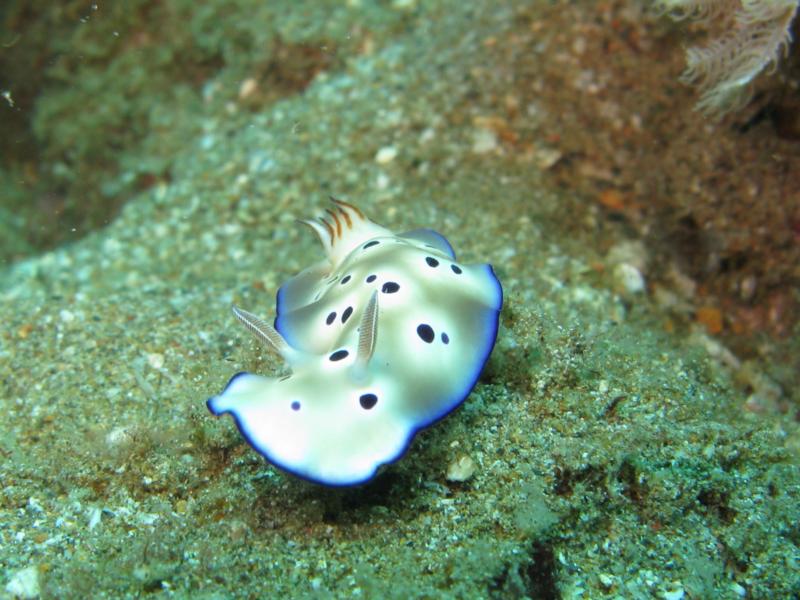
x=383 y=337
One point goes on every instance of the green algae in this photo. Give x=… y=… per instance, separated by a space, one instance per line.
x=614 y=459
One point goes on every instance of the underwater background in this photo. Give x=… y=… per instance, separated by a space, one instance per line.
x=635 y=433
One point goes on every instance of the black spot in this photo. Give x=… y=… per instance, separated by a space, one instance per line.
x=295 y=405
x=338 y=355
x=390 y=287
x=425 y=332
x=371 y=278
x=367 y=401
x=371 y=244
x=445 y=338
x=331 y=318
x=432 y=262
x=456 y=269
x=346 y=314
x=345 y=279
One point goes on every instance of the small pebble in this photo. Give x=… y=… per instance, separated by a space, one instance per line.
x=612 y=199
x=427 y=135
x=119 y=436
x=95 y=515
x=606 y=580
x=710 y=317
x=24 y=584
x=386 y=155
x=632 y=252
x=248 y=88
x=546 y=158
x=674 y=594
x=155 y=360
x=484 y=141
x=628 y=279
x=461 y=469
x=747 y=288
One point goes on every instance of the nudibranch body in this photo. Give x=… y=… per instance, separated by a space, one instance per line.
x=385 y=336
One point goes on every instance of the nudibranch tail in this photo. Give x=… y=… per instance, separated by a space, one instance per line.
x=342 y=228
x=264 y=332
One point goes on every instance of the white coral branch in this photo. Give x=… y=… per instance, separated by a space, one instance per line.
x=757 y=34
